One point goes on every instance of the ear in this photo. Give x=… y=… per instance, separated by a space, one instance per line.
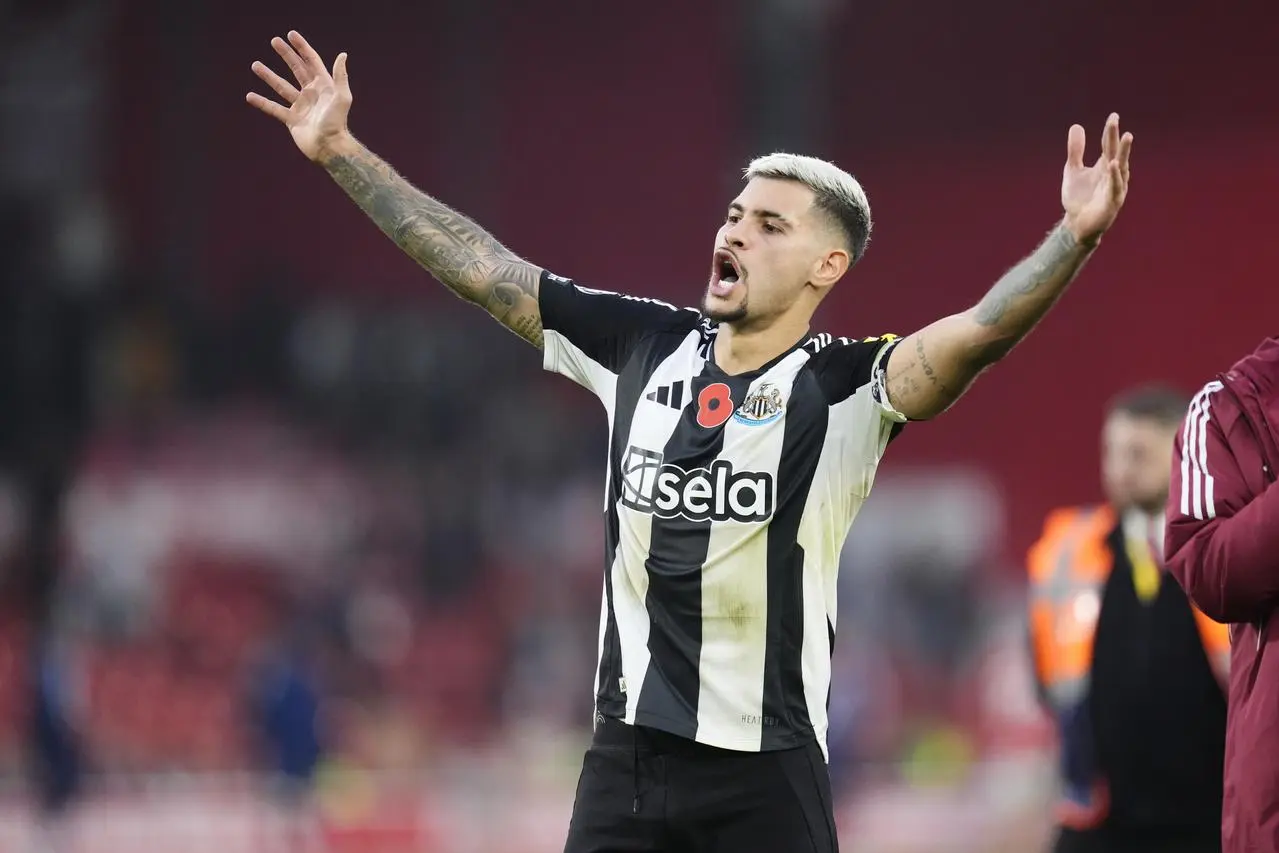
x=830 y=268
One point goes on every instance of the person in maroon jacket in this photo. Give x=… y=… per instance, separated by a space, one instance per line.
x=1221 y=542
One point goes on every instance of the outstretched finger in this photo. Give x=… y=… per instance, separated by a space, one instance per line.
x=282 y=87
x=266 y=105
x=1110 y=138
x=339 y=74
x=1075 y=142
x=1125 y=151
x=290 y=56
x=308 y=54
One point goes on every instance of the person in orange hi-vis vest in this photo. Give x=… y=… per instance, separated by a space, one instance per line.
x=1132 y=674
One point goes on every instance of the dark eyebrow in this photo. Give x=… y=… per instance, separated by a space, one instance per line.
x=761 y=214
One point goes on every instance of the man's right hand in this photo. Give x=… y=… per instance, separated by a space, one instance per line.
x=316 y=114
x=466 y=258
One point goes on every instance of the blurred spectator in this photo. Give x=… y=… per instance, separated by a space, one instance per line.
x=284 y=709
x=56 y=746
x=1132 y=674
x=284 y=705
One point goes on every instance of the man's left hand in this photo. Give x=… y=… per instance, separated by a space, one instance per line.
x=1092 y=195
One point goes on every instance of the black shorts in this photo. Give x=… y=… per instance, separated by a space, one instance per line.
x=1106 y=840
x=646 y=790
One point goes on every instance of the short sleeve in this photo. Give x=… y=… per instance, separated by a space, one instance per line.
x=844 y=366
x=862 y=422
x=589 y=335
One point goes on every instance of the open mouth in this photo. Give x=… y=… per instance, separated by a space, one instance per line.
x=725 y=272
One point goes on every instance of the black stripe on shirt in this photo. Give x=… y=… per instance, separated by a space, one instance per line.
x=669 y=697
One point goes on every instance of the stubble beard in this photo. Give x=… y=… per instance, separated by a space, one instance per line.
x=725 y=316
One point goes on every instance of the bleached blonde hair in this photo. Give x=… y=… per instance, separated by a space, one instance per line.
x=835 y=191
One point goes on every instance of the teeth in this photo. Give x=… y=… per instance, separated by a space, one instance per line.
x=729 y=279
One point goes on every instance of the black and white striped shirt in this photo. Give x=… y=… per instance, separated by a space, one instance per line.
x=728 y=498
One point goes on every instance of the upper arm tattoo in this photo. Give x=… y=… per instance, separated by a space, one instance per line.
x=461 y=254
x=902 y=382
x=916 y=386
x=930 y=373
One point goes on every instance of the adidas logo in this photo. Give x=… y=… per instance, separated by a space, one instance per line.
x=668 y=395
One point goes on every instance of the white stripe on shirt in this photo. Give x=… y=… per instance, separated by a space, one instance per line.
x=1197 y=485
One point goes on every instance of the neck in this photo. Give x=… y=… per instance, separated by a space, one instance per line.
x=1153 y=509
x=743 y=349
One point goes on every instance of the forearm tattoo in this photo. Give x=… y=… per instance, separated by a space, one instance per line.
x=1024 y=294
x=461 y=254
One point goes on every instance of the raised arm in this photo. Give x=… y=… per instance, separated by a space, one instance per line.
x=930 y=369
x=461 y=254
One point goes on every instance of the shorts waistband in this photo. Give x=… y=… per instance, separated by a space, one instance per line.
x=613 y=732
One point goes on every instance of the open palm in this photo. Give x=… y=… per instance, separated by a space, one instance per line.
x=1092 y=195
x=316 y=114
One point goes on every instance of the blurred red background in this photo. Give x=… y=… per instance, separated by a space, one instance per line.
x=239 y=422
x=613 y=145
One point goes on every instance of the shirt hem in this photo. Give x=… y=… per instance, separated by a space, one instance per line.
x=680 y=729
